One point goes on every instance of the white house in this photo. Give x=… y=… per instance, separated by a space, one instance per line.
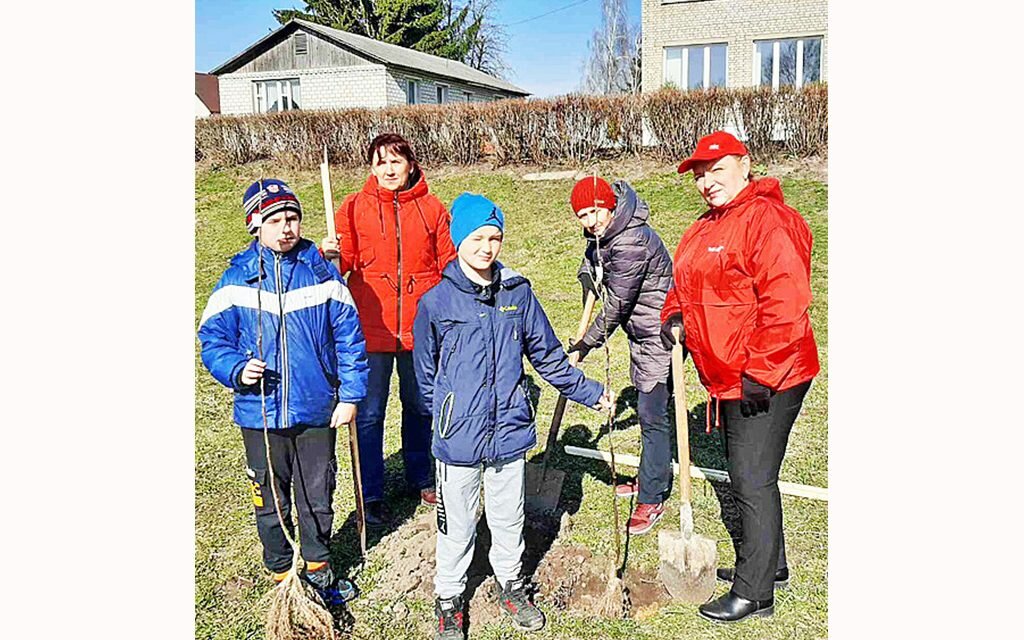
x=303 y=65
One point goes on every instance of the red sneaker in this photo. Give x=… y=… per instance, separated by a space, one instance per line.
x=627 y=490
x=644 y=517
x=428 y=497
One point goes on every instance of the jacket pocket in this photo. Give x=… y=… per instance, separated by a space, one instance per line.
x=526 y=399
x=444 y=417
x=367 y=256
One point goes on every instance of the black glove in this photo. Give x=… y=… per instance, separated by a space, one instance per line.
x=581 y=347
x=756 y=398
x=587 y=284
x=667 y=339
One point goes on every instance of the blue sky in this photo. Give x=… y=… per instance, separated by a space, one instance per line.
x=546 y=55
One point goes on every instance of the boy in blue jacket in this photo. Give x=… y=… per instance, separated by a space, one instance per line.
x=313 y=367
x=470 y=335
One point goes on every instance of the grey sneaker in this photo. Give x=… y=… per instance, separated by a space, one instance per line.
x=449 y=619
x=515 y=601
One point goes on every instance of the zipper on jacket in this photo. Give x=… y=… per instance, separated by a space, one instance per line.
x=398 y=235
x=284 y=342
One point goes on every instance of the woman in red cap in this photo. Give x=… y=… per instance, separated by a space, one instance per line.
x=741 y=289
x=395 y=240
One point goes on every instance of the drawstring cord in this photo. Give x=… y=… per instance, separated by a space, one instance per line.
x=707 y=414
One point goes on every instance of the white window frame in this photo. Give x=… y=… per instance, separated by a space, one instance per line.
x=442 y=93
x=284 y=90
x=777 y=57
x=684 y=65
x=412 y=91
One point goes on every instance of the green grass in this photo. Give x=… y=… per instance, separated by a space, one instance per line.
x=544 y=244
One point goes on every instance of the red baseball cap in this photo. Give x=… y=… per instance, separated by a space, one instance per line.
x=712 y=147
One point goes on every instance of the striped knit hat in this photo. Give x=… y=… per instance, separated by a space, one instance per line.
x=275 y=196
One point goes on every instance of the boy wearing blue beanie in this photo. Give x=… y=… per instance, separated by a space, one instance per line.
x=471 y=333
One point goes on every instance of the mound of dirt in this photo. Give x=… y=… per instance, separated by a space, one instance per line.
x=567 y=577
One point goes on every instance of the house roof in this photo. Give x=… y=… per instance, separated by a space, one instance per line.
x=208 y=90
x=377 y=51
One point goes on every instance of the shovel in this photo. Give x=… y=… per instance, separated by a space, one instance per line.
x=544 y=485
x=688 y=560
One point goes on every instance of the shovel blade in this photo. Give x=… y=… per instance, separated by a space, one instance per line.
x=543 y=490
x=687 y=567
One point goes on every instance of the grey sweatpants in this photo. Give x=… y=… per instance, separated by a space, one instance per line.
x=458 y=500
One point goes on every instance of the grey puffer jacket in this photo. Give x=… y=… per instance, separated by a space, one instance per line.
x=637 y=275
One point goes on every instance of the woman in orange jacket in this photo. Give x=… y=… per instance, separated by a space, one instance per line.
x=393 y=242
x=741 y=289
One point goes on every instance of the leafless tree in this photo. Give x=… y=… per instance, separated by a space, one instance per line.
x=612 y=64
x=490 y=44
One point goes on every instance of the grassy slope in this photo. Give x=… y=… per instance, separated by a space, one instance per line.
x=544 y=244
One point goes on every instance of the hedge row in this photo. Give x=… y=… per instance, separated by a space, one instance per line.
x=571 y=129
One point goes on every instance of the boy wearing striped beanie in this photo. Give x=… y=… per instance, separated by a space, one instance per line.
x=281 y=330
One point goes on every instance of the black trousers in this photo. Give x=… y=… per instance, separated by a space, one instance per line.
x=303 y=457
x=655 y=474
x=755 y=447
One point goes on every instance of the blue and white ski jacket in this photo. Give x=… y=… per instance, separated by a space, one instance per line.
x=468 y=348
x=315 y=358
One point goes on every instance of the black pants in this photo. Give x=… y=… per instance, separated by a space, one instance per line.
x=656 y=435
x=303 y=456
x=755 y=447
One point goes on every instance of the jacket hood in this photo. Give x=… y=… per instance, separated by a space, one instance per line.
x=506 y=279
x=766 y=187
x=417 y=190
x=628 y=212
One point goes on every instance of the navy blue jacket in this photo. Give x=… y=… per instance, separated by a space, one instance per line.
x=315 y=358
x=469 y=342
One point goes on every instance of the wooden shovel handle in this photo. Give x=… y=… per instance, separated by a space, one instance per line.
x=357 y=485
x=682 y=437
x=574 y=358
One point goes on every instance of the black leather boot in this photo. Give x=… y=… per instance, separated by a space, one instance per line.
x=781 y=576
x=733 y=608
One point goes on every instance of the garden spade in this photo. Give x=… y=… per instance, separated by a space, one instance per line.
x=688 y=560
x=543 y=484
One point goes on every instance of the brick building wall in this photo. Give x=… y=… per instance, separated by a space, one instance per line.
x=738 y=23
x=328 y=88
x=397 y=81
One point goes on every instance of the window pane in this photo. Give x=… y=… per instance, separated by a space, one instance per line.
x=410 y=92
x=787 y=62
x=273 y=98
x=718 y=65
x=812 y=60
x=674 y=66
x=440 y=95
x=695 y=68
x=765 y=50
x=296 y=96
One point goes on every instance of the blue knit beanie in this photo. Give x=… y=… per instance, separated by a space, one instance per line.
x=267 y=196
x=470 y=211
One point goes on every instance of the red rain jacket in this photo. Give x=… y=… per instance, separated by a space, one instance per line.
x=395 y=244
x=742 y=281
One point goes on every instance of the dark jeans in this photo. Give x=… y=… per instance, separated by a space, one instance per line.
x=303 y=457
x=755 y=447
x=656 y=456
x=415 y=425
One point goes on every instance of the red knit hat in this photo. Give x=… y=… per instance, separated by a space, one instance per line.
x=592 y=192
x=712 y=147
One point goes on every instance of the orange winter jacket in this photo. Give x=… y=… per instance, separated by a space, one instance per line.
x=742 y=282
x=395 y=244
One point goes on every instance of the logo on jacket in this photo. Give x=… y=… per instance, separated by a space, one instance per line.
x=510 y=307
x=716 y=249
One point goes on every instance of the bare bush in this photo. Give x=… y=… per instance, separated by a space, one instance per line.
x=570 y=129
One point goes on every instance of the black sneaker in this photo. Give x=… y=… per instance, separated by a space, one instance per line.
x=515 y=601
x=336 y=592
x=376 y=514
x=449 y=619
